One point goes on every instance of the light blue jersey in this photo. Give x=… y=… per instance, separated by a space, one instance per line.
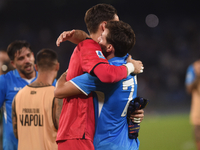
x=190 y=75
x=111 y=102
x=10 y=84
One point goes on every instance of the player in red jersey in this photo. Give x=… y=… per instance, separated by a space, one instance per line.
x=77 y=124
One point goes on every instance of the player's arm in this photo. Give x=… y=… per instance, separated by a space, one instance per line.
x=112 y=74
x=74 y=36
x=65 y=88
x=14 y=119
x=94 y=62
x=56 y=109
x=84 y=84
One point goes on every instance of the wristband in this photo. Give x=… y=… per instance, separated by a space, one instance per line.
x=130 y=68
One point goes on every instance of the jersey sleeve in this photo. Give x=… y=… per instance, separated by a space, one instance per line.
x=87 y=83
x=94 y=62
x=3 y=88
x=110 y=73
x=190 y=75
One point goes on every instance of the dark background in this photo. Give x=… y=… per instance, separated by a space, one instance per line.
x=165 y=50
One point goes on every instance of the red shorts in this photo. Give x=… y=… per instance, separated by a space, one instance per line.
x=76 y=144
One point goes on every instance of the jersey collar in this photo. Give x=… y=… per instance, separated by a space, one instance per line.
x=16 y=73
x=118 y=60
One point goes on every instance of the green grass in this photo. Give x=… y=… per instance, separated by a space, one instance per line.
x=166 y=132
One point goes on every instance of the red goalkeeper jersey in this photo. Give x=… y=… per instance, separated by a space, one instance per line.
x=77 y=116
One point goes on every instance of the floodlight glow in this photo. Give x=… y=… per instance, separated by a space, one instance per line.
x=152 y=20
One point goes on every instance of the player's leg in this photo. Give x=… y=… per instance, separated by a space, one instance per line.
x=197 y=135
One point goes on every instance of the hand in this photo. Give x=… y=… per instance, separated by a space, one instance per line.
x=66 y=35
x=137 y=116
x=137 y=64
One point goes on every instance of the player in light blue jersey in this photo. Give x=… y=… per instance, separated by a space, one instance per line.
x=192 y=83
x=111 y=100
x=22 y=58
x=111 y=103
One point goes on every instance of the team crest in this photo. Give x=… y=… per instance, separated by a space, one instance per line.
x=100 y=54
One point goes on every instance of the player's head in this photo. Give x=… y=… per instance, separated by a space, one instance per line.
x=21 y=56
x=3 y=55
x=98 y=14
x=47 y=60
x=118 y=37
x=5 y=65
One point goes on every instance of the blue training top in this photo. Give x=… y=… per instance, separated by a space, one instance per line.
x=190 y=75
x=111 y=103
x=10 y=84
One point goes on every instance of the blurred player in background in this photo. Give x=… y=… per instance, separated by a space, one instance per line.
x=193 y=87
x=77 y=124
x=35 y=111
x=111 y=131
x=22 y=58
x=5 y=64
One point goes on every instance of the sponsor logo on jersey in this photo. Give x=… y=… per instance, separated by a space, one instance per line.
x=17 y=88
x=100 y=54
x=33 y=92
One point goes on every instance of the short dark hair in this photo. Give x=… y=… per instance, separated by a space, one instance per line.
x=121 y=36
x=97 y=14
x=16 y=46
x=46 y=59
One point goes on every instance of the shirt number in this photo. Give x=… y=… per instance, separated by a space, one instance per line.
x=126 y=84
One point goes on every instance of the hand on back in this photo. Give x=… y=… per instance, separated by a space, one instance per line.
x=137 y=64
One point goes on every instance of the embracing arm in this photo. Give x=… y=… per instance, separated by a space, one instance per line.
x=74 y=36
x=14 y=119
x=56 y=111
x=111 y=74
x=65 y=88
